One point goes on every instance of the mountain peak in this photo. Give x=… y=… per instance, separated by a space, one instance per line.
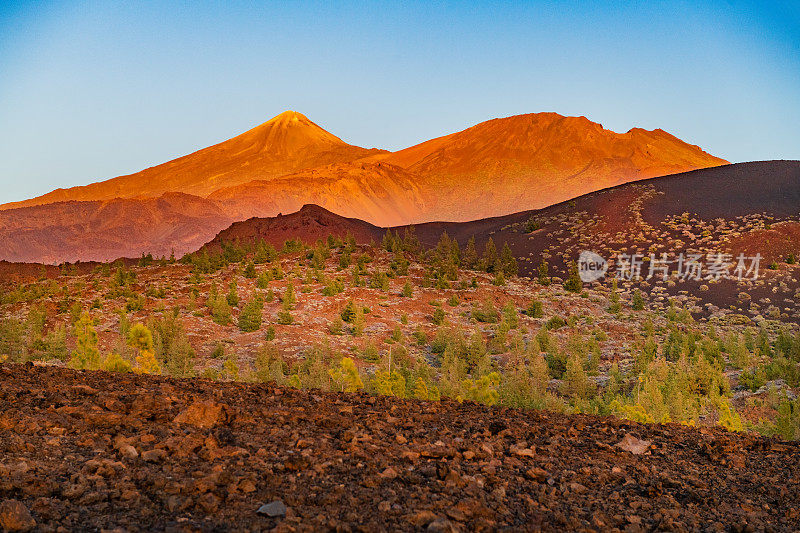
x=288 y=132
x=288 y=116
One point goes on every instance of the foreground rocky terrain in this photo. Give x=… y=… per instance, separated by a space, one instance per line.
x=97 y=450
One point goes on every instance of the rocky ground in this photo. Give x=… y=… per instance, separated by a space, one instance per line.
x=95 y=450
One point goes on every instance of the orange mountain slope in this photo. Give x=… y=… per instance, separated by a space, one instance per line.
x=104 y=230
x=285 y=144
x=531 y=161
x=497 y=167
x=379 y=193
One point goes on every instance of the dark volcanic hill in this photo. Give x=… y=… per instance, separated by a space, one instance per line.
x=742 y=208
x=309 y=224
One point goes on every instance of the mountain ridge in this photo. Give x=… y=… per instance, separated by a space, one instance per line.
x=497 y=167
x=287 y=143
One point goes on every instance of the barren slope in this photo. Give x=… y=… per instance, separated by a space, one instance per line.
x=106 y=230
x=534 y=160
x=379 y=193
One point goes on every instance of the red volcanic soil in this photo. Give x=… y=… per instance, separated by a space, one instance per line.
x=774 y=244
x=95 y=450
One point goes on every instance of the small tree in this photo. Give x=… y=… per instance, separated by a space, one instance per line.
x=345 y=376
x=85 y=355
x=576 y=382
x=335 y=327
x=438 y=316
x=116 y=363
x=358 y=321
x=489 y=261
x=614 y=304
x=544 y=276
x=535 y=309
x=390 y=383
x=250 y=318
x=289 y=298
x=140 y=338
x=348 y=312
x=470 y=256
x=408 y=291
x=508 y=261
x=263 y=280
x=284 y=317
x=573 y=283
x=233 y=296
x=637 y=300
x=220 y=310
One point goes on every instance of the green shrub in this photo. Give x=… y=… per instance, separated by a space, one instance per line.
x=534 y=309
x=250 y=317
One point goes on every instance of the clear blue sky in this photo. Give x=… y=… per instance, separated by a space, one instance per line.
x=89 y=91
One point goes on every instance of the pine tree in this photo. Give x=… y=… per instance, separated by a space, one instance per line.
x=443 y=248
x=348 y=312
x=116 y=363
x=388 y=241
x=86 y=354
x=410 y=240
x=250 y=318
x=470 y=256
x=576 y=382
x=482 y=390
x=615 y=306
x=408 y=291
x=141 y=339
x=345 y=376
x=508 y=261
x=233 y=296
x=544 y=276
x=263 y=280
x=535 y=309
x=289 y=298
x=358 y=320
x=489 y=261
x=220 y=310
x=390 y=383
x=284 y=317
x=573 y=283
x=637 y=302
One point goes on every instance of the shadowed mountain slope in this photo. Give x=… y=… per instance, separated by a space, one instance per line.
x=106 y=230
